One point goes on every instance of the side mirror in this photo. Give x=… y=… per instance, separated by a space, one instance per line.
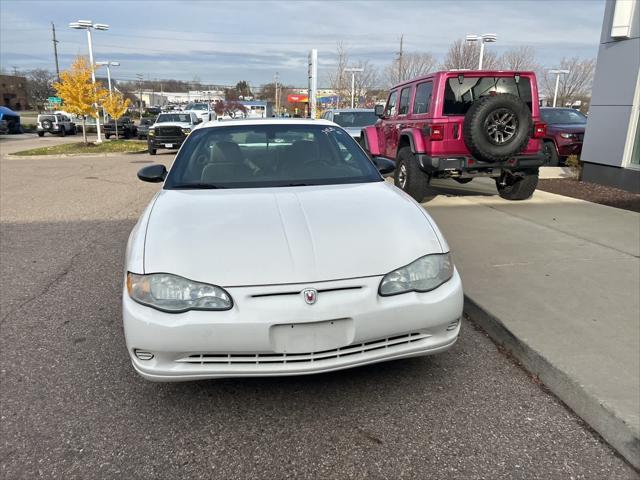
x=379 y=111
x=155 y=173
x=384 y=165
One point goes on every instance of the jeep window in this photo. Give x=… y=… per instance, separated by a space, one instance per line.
x=423 y=98
x=404 y=101
x=391 y=104
x=460 y=94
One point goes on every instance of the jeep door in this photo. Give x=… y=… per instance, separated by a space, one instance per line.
x=401 y=121
x=386 y=128
x=421 y=113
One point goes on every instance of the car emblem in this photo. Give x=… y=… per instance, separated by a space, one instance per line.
x=310 y=295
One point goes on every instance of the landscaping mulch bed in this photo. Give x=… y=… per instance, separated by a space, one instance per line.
x=592 y=192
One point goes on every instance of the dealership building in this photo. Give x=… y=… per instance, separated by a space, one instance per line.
x=611 y=150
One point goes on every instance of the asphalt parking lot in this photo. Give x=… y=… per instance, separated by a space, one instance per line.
x=72 y=406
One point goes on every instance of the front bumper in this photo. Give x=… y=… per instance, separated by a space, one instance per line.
x=469 y=167
x=570 y=148
x=271 y=331
x=165 y=142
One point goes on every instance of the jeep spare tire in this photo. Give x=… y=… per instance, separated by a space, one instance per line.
x=46 y=124
x=497 y=127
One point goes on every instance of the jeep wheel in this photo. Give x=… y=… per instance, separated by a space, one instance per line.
x=408 y=175
x=463 y=180
x=47 y=125
x=497 y=127
x=41 y=134
x=550 y=154
x=517 y=187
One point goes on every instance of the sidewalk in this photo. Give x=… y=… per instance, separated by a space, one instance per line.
x=557 y=281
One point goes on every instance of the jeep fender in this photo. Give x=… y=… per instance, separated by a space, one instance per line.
x=415 y=139
x=370 y=136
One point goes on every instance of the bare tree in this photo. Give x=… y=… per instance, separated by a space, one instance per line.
x=364 y=80
x=338 y=78
x=576 y=85
x=519 y=58
x=466 y=55
x=413 y=65
x=39 y=87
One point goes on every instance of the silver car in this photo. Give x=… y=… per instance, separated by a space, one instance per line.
x=351 y=119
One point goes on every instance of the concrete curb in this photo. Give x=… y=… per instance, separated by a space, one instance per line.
x=70 y=155
x=587 y=406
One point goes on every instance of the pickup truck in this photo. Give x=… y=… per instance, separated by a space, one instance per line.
x=170 y=130
x=126 y=128
x=461 y=125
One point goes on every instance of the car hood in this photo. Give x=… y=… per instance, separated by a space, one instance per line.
x=172 y=124
x=568 y=128
x=264 y=236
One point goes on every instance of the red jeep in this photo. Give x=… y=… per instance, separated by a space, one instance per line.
x=462 y=125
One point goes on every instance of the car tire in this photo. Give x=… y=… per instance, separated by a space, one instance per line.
x=63 y=132
x=107 y=136
x=152 y=151
x=497 y=127
x=74 y=130
x=463 y=180
x=550 y=154
x=408 y=176
x=517 y=187
x=41 y=134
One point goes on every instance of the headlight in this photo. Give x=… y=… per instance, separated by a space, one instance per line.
x=422 y=275
x=174 y=294
x=568 y=135
x=151 y=132
x=186 y=131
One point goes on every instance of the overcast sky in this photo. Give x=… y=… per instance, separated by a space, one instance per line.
x=222 y=42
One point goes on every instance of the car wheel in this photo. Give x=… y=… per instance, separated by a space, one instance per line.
x=497 y=127
x=517 y=187
x=41 y=134
x=408 y=176
x=463 y=180
x=550 y=153
x=63 y=132
x=74 y=130
x=107 y=136
x=152 y=151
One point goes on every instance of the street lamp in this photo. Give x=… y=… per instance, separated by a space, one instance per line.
x=108 y=65
x=484 y=38
x=353 y=71
x=558 y=73
x=88 y=25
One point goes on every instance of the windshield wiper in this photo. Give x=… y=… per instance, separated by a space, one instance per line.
x=186 y=186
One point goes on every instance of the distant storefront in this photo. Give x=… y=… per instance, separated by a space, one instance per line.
x=611 y=150
x=13 y=92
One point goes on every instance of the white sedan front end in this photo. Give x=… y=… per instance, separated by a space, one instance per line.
x=282 y=278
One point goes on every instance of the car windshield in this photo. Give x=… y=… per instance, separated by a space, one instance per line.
x=269 y=155
x=562 y=116
x=197 y=106
x=173 y=117
x=460 y=91
x=354 y=119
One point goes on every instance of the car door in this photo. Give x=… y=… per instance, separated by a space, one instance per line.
x=401 y=120
x=386 y=127
x=421 y=111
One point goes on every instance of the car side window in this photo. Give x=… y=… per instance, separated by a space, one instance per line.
x=390 y=111
x=404 y=101
x=423 y=98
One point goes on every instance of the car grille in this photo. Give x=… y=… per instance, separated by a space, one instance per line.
x=169 y=131
x=388 y=344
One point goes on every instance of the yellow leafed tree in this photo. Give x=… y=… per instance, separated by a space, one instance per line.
x=116 y=106
x=79 y=94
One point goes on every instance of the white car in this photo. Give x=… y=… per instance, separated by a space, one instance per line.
x=275 y=247
x=201 y=110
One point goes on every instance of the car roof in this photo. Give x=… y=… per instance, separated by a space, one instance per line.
x=264 y=121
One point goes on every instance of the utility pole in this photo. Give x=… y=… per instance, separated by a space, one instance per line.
x=15 y=70
x=139 y=77
x=275 y=80
x=55 y=49
x=400 y=75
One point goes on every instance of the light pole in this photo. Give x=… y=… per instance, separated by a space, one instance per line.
x=353 y=71
x=88 y=25
x=108 y=65
x=484 y=38
x=555 y=92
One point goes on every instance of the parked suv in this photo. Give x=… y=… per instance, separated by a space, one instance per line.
x=565 y=133
x=170 y=130
x=126 y=128
x=352 y=119
x=462 y=125
x=55 y=123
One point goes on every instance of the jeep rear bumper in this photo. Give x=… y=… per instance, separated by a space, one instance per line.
x=464 y=166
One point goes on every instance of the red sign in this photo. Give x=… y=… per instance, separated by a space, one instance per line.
x=294 y=98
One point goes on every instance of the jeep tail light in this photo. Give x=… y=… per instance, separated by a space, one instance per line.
x=539 y=129
x=436 y=132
